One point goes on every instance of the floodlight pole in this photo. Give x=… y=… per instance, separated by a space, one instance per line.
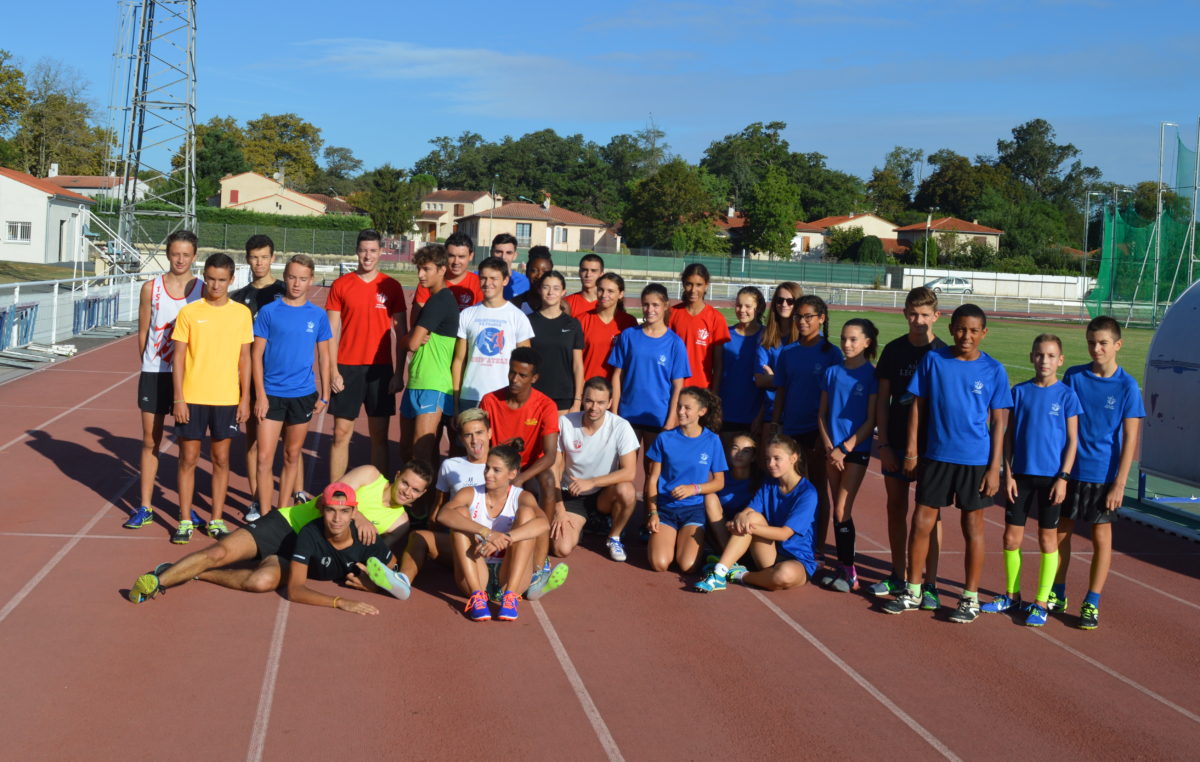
x=1162 y=131
x=1195 y=198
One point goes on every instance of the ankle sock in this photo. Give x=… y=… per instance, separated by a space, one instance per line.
x=970 y=595
x=1012 y=572
x=720 y=570
x=914 y=589
x=1092 y=598
x=1059 y=589
x=737 y=575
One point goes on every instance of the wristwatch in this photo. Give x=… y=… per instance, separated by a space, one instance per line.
x=1064 y=476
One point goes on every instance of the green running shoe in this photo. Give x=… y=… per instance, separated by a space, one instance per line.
x=548 y=583
x=1089 y=617
x=1057 y=604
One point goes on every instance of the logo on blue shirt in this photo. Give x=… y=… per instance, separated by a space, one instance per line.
x=977 y=388
x=1054 y=408
x=703 y=457
x=858 y=390
x=1110 y=403
x=490 y=341
x=311 y=325
x=662 y=359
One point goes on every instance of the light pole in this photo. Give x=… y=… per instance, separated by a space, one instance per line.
x=492 y=211
x=1162 y=131
x=1087 y=224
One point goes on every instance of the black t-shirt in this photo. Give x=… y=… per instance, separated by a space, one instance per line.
x=257 y=298
x=897 y=363
x=440 y=314
x=326 y=562
x=556 y=341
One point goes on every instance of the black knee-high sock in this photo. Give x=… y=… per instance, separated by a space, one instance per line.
x=843 y=534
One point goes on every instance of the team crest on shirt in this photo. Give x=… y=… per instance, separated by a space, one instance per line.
x=858 y=390
x=531 y=422
x=662 y=360
x=464 y=298
x=977 y=388
x=381 y=301
x=326 y=560
x=703 y=457
x=490 y=341
x=311 y=326
x=1055 y=408
x=702 y=337
x=1110 y=403
x=577 y=444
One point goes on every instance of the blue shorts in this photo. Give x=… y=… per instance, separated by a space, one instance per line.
x=682 y=516
x=421 y=401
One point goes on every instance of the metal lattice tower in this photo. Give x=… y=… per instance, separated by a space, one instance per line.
x=153 y=97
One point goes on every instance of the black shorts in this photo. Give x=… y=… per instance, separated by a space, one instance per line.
x=364 y=386
x=735 y=427
x=1085 y=502
x=156 y=393
x=271 y=533
x=291 y=410
x=583 y=505
x=562 y=404
x=808 y=440
x=219 y=421
x=1033 y=499
x=642 y=430
x=941 y=484
x=857 y=458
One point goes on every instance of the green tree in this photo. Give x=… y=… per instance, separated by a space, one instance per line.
x=391 y=202
x=917 y=252
x=772 y=209
x=953 y=187
x=55 y=127
x=824 y=192
x=218 y=153
x=283 y=143
x=842 y=243
x=870 y=251
x=1036 y=159
x=886 y=194
x=336 y=176
x=13 y=95
x=902 y=162
x=744 y=157
x=674 y=196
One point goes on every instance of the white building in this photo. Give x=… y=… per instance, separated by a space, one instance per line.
x=41 y=222
x=811 y=237
x=95 y=186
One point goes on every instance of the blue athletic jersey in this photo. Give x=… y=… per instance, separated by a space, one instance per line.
x=1106 y=403
x=797 y=510
x=518 y=283
x=740 y=398
x=798 y=374
x=849 y=392
x=1039 y=424
x=648 y=366
x=770 y=358
x=960 y=394
x=735 y=495
x=291 y=333
x=685 y=460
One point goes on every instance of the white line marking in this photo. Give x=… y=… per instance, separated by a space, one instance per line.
x=1117 y=675
x=266 y=697
x=854 y=675
x=130 y=536
x=105 y=345
x=611 y=750
x=44 y=424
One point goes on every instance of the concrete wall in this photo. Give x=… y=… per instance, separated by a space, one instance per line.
x=260 y=194
x=21 y=203
x=482 y=231
x=1002 y=284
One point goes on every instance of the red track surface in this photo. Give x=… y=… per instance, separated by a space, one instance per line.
x=645 y=671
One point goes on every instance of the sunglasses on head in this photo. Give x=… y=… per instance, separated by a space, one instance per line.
x=789 y=301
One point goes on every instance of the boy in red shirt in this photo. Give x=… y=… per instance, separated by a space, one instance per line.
x=463 y=283
x=701 y=327
x=591 y=267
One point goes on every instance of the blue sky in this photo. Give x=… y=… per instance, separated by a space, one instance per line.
x=850 y=78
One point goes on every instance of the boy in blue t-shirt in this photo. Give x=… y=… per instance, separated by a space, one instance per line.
x=1108 y=437
x=1039 y=453
x=964 y=395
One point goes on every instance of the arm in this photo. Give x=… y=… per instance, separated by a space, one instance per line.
x=822 y=427
x=624 y=473
x=676 y=387
x=179 y=408
x=335 y=326
x=577 y=370
x=863 y=432
x=911 y=454
x=544 y=463
x=1058 y=492
x=715 y=483
x=616 y=385
x=324 y=372
x=1010 y=481
x=718 y=356
x=998 y=420
x=400 y=349
x=652 y=496
x=439 y=500
x=243 y=407
x=416 y=338
x=456 y=368
x=299 y=591
x=260 y=389
x=883 y=413
x=415 y=315
x=1132 y=428
x=751 y=522
x=144 y=317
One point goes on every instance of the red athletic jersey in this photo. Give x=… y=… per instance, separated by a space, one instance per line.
x=466 y=292
x=532 y=421
x=598 y=340
x=579 y=305
x=366 y=310
x=701 y=335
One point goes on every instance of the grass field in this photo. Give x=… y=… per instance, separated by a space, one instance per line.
x=21 y=272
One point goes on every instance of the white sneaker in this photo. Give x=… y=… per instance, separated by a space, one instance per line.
x=252 y=512
x=393 y=582
x=616 y=549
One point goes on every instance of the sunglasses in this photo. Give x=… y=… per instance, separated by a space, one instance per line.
x=789 y=301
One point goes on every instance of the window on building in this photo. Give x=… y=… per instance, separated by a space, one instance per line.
x=459 y=210
x=233 y=196
x=587 y=239
x=20 y=232
x=560 y=235
x=524 y=234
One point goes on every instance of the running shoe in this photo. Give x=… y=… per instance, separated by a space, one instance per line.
x=710 y=563
x=929 y=598
x=477 y=607
x=967 y=611
x=1057 y=604
x=252 y=513
x=710 y=584
x=143 y=517
x=147 y=586
x=1036 y=616
x=905 y=601
x=736 y=572
x=508 y=607
x=886 y=586
x=548 y=583
x=1002 y=603
x=183 y=533
x=616 y=549
x=216 y=529
x=1089 y=616
x=843 y=581
x=386 y=579
x=301 y=497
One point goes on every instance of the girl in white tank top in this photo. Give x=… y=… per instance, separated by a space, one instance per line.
x=503 y=522
x=164 y=308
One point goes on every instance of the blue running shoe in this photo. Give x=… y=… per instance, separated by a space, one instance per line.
x=508 y=607
x=1037 y=616
x=386 y=579
x=929 y=598
x=477 y=607
x=710 y=584
x=736 y=572
x=616 y=549
x=143 y=517
x=547 y=582
x=1001 y=603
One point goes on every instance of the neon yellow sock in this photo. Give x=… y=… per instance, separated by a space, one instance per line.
x=1046 y=575
x=1012 y=571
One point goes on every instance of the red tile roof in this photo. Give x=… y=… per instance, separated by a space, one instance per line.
x=85 y=181
x=335 y=204
x=556 y=214
x=430 y=214
x=829 y=222
x=893 y=246
x=809 y=227
x=737 y=221
x=951 y=225
x=42 y=184
x=455 y=196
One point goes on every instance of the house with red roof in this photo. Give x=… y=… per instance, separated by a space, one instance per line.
x=41 y=222
x=542 y=224
x=950 y=232
x=257 y=193
x=95 y=186
x=442 y=209
x=811 y=237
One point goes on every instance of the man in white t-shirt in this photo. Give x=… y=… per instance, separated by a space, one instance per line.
x=487 y=334
x=599 y=460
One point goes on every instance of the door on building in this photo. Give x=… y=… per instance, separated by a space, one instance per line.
x=62 y=240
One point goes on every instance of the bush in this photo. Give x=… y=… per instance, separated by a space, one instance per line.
x=870 y=251
x=1021 y=264
x=214 y=214
x=843 y=243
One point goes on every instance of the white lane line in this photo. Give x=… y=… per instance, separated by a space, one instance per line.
x=1117 y=675
x=44 y=424
x=266 y=697
x=97 y=348
x=611 y=750
x=857 y=677
x=130 y=536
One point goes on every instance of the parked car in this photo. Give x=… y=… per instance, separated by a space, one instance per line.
x=950 y=285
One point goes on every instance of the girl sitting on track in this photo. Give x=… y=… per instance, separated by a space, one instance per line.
x=493 y=530
x=741 y=481
x=780 y=331
x=776 y=527
x=741 y=399
x=847 y=425
x=603 y=324
x=686 y=463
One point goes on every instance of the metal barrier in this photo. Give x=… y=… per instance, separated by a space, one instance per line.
x=18 y=325
x=95 y=311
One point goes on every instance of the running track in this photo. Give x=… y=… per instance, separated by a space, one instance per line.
x=621 y=663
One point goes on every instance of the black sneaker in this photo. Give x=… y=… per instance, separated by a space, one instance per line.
x=905 y=601
x=967 y=611
x=1089 y=617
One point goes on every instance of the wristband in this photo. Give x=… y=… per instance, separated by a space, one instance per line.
x=842 y=446
x=911 y=457
x=335 y=601
x=1064 y=476
x=697 y=488
x=325 y=402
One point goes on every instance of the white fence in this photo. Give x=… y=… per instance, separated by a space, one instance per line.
x=1027 y=286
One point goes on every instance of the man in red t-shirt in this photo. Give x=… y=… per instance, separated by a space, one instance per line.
x=366 y=312
x=591 y=267
x=463 y=283
x=701 y=327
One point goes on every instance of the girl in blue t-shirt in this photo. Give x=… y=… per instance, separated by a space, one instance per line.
x=740 y=483
x=741 y=399
x=776 y=527
x=847 y=425
x=686 y=463
x=798 y=399
x=780 y=331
